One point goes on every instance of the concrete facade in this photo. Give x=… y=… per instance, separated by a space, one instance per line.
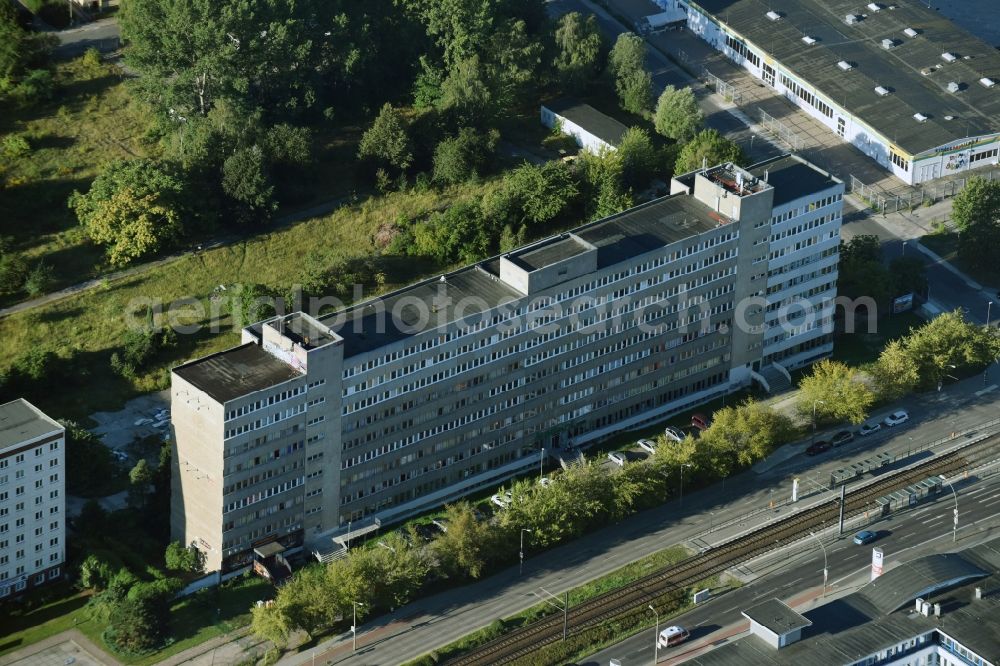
x=32 y=498
x=451 y=385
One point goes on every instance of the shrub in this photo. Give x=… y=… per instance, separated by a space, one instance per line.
x=15 y=145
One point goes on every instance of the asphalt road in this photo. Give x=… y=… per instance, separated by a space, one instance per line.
x=706 y=516
x=922 y=530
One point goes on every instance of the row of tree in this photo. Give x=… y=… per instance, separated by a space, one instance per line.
x=24 y=59
x=582 y=498
x=947 y=346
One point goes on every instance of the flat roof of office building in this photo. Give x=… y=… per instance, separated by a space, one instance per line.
x=236 y=372
x=602 y=126
x=914 y=71
x=438 y=301
x=776 y=616
x=849 y=629
x=21 y=421
x=792 y=178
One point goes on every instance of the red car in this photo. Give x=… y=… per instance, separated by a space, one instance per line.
x=700 y=421
x=818 y=448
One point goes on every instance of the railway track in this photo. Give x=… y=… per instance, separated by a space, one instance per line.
x=670 y=582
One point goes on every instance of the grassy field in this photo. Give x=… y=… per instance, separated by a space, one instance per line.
x=862 y=347
x=84 y=330
x=194 y=619
x=92 y=121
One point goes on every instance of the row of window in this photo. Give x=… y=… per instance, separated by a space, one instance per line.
x=804 y=226
x=17 y=459
x=261 y=404
x=511 y=312
x=266 y=421
x=899 y=160
x=7 y=590
x=742 y=50
x=806 y=96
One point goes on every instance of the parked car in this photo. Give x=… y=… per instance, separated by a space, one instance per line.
x=673 y=635
x=676 y=434
x=897 y=417
x=864 y=536
x=502 y=500
x=700 y=421
x=842 y=437
x=617 y=457
x=869 y=428
x=647 y=445
x=817 y=448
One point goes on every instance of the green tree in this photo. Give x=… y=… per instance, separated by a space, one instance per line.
x=13 y=271
x=386 y=143
x=95 y=572
x=628 y=55
x=837 y=392
x=462 y=157
x=140 y=477
x=896 y=372
x=976 y=213
x=635 y=91
x=134 y=208
x=862 y=272
x=246 y=179
x=510 y=239
x=639 y=158
x=250 y=303
x=179 y=558
x=908 y=274
x=708 y=147
x=270 y=623
x=463 y=550
x=540 y=192
x=91 y=468
x=746 y=433
x=949 y=344
x=22 y=54
x=466 y=97
x=454 y=234
x=39 y=279
x=578 y=50
x=602 y=184
x=677 y=114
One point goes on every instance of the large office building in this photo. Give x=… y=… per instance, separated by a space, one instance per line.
x=903 y=84
x=32 y=498
x=396 y=404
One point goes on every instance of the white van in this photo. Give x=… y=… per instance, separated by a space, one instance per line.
x=673 y=635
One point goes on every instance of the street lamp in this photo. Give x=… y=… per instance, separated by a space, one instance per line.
x=541 y=465
x=903 y=253
x=681 y=498
x=826 y=570
x=989 y=305
x=954 y=528
x=521 y=552
x=656 y=636
x=354 y=627
x=815 y=402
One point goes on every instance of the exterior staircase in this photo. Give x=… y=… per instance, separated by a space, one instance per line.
x=777 y=379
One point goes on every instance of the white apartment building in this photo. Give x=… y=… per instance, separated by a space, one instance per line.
x=32 y=498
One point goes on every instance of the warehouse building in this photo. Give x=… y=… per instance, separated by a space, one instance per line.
x=592 y=130
x=451 y=385
x=901 y=83
x=32 y=498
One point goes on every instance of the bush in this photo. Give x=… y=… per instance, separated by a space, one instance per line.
x=179 y=558
x=91 y=59
x=15 y=146
x=39 y=280
x=461 y=157
x=37 y=86
x=139 y=347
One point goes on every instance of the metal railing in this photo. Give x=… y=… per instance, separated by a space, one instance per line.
x=728 y=91
x=884 y=202
x=781 y=131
